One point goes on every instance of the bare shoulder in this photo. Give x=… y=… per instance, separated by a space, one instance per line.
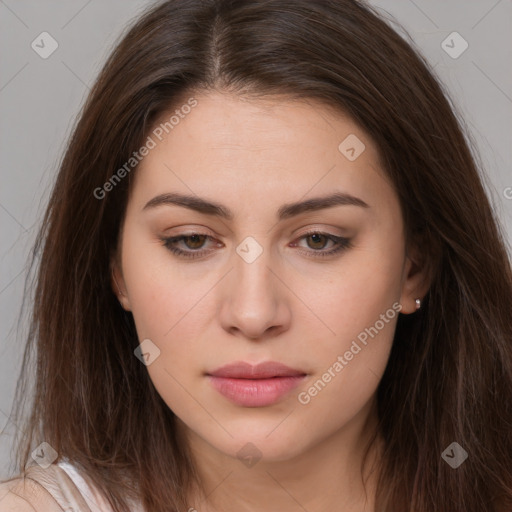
x=25 y=495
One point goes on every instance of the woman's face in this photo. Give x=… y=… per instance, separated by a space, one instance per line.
x=279 y=270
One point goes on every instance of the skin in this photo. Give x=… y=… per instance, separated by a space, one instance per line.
x=288 y=305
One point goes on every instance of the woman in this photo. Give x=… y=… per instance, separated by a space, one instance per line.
x=270 y=279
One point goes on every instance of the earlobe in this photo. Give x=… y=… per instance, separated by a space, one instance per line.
x=415 y=285
x=118 y=286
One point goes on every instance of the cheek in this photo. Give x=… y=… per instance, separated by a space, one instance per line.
x=360 y=305
x=160 y=294
x=166 y=308
x=349 y=369
x=169 y=308
x=353 y=296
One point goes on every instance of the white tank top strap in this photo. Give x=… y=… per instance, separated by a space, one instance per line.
x=62 y=488
x=70 y=490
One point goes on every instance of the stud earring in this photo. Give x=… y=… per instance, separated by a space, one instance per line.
x=418 y=303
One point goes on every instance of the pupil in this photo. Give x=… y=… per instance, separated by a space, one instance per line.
x=316 y=238
x=194 y=239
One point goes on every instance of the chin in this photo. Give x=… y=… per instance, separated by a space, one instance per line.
x=256 y=444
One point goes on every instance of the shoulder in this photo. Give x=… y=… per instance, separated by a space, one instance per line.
x=25 y=495
x=59 y=487
x=43 y=490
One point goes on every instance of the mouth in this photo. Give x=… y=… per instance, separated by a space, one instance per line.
x=255 y=386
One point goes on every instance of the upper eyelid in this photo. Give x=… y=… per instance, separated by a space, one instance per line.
x=205 y=231
x=214 y=237
x=180 y=237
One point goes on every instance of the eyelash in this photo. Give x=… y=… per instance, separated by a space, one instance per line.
x=341 y=244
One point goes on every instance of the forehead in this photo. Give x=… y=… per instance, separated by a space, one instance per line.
x=259 y=150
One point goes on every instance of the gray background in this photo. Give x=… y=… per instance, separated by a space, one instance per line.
x=39 y=99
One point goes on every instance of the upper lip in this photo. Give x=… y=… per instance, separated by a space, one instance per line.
x=243 y=370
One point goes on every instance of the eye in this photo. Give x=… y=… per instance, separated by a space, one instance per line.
x=194 y=242
x=318 y=242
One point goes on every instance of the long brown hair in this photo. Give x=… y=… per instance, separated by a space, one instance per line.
x=449 y=376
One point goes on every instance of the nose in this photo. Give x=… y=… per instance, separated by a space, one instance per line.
x=256 y=300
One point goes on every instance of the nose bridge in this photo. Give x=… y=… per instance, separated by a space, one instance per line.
x=255 y=302
x=252 y=273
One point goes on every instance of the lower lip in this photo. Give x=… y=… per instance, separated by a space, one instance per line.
x=255 y=392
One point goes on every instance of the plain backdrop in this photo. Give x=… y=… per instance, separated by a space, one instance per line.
x=39 y=99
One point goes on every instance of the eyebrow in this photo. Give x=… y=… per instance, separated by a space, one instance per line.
x=284 y=212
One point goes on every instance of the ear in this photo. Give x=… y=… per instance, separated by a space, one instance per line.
x=117 y=282
x=416 y=278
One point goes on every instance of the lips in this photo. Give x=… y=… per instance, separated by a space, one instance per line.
x=255 y=386
x=243 y=370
